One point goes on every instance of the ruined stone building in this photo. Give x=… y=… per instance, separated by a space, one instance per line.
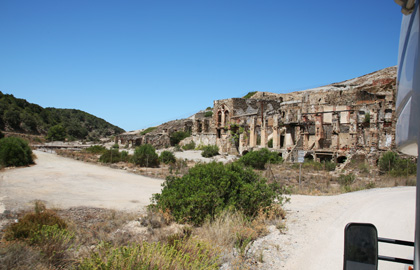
x=326 y=123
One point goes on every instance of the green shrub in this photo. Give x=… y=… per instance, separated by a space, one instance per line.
x=186 y=253
x=329 y=166
x=250 y=94
x=147 y=130
x=210 y=151
x=145 y=156
x=208 y=189
x=167 y=157
x=56 y=133
x=96 y=149
x=258 y=159
x=367 y=118
x=346 y=179
x=116 y=146
x=15 y=152
x=31 y=224
x=208 y=114
x=124 y=156
x=391 y=163
x=189 y=146
x=270 y=143
x=178 y=136
x=319 y=166
x=54 y=243
x=110 y=156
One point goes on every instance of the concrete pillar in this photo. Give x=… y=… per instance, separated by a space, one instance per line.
x=263 y=136
x=223 y=119
x=276 y=140
x=252 y=135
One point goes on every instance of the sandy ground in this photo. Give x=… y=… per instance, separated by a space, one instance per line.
x=315 y=225
x=63 y=183
x=314 y=238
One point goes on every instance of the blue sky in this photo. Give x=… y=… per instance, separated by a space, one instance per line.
x=141 y=63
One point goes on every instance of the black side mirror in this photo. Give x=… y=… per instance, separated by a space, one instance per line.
x=360 y=247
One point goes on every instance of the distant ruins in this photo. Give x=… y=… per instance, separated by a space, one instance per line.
x=332 y=122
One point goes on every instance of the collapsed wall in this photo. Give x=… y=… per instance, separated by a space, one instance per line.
x=332 y=122
x=327 y=123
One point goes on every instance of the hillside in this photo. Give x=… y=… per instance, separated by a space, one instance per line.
x=19 y=115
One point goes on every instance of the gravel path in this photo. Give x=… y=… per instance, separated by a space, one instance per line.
x=64 y=183
x=314 y=238
x=315 y=225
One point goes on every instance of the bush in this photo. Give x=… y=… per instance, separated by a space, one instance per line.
x=391 y=163
x=31 y=225
x=96 y=149
x=110 y=156
x=56 y=133
x=208 y=114
x=1 y=135
x=329 y=166
x=258 y=159
x=210 y=151
x=189 y=146
x=178 y=136
x=147 y=130
x=167 y=157
x=145 y=156
x=208 y=189
x=187 y=253
x=15 y=152
x=250 y=94
x=270 y=143
x=47 y=232
x=346 y=179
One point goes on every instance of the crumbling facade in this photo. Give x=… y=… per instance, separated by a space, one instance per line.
x=326 y=123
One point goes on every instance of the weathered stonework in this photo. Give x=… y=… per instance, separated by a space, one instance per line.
x=327 y=123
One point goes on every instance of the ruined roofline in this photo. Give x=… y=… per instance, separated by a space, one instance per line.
x=350 y=84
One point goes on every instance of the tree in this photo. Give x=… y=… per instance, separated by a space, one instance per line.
x=56 y=133
x=15 y=152
x=178 y=136
x=167 y=157
x=145 y=155
x=12 y=118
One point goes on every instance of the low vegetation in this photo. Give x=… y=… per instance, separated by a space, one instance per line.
x=178 y=136
x=249 y=95
x=209 y=151
x=208 y=189
x=394 y=165
x=147 y=130
x=145 y=155
x=114 y=156
x=258 y=159
x=96 y=149
x=167 y=157
x=15 y=152
x=18 y=115
x=189 y=146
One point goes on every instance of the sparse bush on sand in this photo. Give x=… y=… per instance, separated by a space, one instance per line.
x=15 y=152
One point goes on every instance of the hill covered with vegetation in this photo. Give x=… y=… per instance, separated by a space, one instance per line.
x=19 y=115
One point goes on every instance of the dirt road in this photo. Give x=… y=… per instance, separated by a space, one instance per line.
x=315 y=225
x=63 y=182
x=315 y=236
